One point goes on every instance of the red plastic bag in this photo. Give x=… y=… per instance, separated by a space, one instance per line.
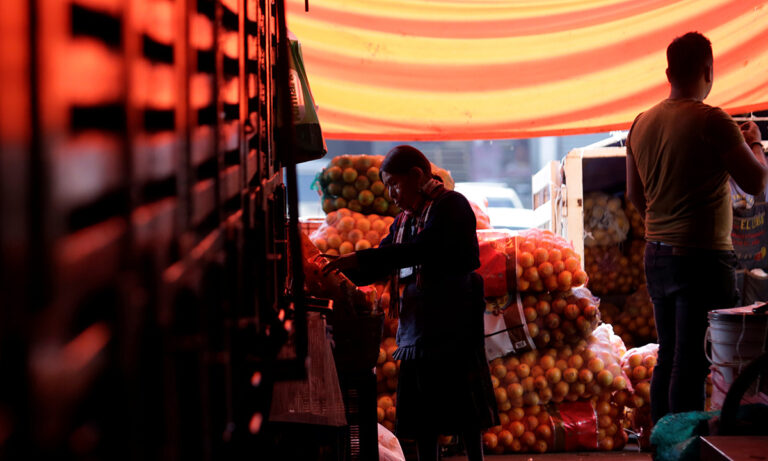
x=575 y=426
x=493 y=269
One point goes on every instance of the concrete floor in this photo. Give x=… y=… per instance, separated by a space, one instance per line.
x=630 y=453
x=586 y=456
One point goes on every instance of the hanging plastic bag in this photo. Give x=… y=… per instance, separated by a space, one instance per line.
x=309 y=141
x=750 y=236
x=316 y=399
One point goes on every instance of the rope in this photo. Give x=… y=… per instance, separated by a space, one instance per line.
x=708 y=339
x=741 y=337
x=717 y=375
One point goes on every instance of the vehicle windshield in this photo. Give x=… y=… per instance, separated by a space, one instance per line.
x=500 y=202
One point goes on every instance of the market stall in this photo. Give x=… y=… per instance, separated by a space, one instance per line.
x=556 y=374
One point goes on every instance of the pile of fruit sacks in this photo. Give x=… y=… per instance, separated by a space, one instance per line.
x=535 y=284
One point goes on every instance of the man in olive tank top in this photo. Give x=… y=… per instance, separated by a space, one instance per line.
x=680 y=155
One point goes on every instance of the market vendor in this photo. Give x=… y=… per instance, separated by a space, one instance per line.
x=680 y=155
x=430 y=256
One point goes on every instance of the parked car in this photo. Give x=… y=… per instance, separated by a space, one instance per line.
x=503 y=205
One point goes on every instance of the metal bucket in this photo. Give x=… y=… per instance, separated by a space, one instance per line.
x=737 y=336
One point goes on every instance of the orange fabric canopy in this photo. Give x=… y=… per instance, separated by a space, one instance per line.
x=485 y=69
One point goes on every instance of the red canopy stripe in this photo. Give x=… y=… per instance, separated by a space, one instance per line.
x=440 y=70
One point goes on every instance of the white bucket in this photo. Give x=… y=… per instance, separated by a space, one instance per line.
x=737 y=336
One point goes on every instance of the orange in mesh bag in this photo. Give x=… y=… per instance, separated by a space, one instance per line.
x=638 y=364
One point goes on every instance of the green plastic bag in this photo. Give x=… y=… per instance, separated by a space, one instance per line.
x=676 y=436
x=309 y=141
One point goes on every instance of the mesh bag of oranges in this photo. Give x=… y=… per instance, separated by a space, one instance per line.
x=636 y=324
x=638 y=364
x=521 y=322
x=533 y=260
x=532 y=288
x=345 y=231
x=554 y=380
x=613 y=244
x=614 y=272
x=353 y=182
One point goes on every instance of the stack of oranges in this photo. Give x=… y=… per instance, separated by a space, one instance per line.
x=574 y=360
x=610 y=409
x=386 y=410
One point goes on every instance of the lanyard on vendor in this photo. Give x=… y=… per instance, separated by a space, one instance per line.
x=431 y=191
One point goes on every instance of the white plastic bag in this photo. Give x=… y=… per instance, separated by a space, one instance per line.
x=389 y=446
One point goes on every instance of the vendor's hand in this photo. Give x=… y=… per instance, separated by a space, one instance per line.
x=751 y=132
x=342 y=263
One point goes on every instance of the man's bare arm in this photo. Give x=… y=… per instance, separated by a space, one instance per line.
x=635 y=190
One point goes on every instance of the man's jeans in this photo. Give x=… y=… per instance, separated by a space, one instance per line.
x=684 y=285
